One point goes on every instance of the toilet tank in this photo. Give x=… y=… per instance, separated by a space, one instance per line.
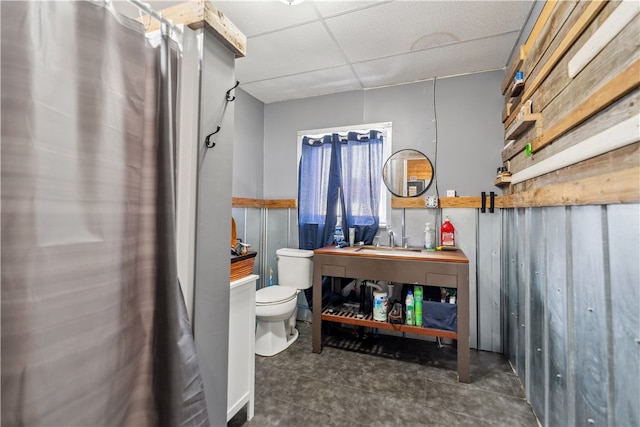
x=295 y=268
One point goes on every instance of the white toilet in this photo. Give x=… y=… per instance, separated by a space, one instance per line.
x=276 y=306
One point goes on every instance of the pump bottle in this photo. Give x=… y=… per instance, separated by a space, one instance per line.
x=429 y=238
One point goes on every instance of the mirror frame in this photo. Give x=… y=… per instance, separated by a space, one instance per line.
x=389 y=185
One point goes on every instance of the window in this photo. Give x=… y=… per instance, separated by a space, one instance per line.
x=340 y=181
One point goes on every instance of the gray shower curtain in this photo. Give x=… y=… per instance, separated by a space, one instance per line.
x=94 y=329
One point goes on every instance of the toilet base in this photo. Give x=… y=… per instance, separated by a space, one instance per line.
x=274 y=337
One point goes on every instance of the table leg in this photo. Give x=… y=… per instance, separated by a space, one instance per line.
x=463 y=324
x=317 y=310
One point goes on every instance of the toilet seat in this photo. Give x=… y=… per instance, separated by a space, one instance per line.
x=272 y=295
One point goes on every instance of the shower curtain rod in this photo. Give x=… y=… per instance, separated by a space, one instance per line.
x=149 y=11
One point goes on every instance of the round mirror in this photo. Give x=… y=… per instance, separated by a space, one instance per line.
x=407 y=173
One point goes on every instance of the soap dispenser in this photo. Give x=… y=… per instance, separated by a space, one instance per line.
x=429 y=238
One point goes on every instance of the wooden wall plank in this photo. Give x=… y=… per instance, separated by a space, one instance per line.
x=517 y=147
x=613 y=90
x=624 y=13
x=536 y=31
x=239 y=202
x=548 y=34
x=620 y=135
x=559 y=93
x=281 y=204
x=576 y=30
x=617 y=112
x=603 y=96
x=564 y=28
x=613 y=161
x=202 y=13
x=446 y=202
x=589 y=191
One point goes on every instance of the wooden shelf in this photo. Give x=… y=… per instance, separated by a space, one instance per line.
x=513 y=69
x=520 y=125
x=503 y=180
x=517 y=89
x=367 y=321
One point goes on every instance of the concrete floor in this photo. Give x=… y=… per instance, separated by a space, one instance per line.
x=382 y=381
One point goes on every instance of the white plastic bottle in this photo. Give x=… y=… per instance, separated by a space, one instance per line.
x=429 y=238
x=410 y=311
x=338 y=235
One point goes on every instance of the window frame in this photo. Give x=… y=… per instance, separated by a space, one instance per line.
x=387 y=132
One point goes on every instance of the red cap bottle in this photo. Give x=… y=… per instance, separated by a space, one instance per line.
x=447 y=233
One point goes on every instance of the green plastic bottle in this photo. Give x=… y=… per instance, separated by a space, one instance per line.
x=409 y=309
x=417 y=301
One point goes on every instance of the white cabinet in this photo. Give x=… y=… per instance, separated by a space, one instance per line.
x=242 y=332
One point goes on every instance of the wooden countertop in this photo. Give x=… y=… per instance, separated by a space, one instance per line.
x=456 y=256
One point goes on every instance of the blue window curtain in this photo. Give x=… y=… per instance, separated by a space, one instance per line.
x=334 y=170
x=361 y=171
x=318 y=187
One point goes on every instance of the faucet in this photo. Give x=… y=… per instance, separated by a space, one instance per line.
x=392 y=236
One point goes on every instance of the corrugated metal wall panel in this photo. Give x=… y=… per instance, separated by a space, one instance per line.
x=624 y=267
x=522 y=280
x=537 y=297
x=465 y=223
x=489 y=304
x=590 y=315
x=556 y=302
x=510 y=254
x=586 y=257
x=276 y=239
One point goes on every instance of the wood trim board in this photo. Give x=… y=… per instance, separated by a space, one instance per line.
x=202 y=13
x=240 y=202
x=545 y=13
x=612 y=26
x=613 y=90
x=609 y=188
x=624 y=133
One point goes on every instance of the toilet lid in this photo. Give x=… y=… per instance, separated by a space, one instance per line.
x=275 y=294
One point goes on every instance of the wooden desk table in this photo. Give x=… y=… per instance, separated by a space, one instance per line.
x=449 y=269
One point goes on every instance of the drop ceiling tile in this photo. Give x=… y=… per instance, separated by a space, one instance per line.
x=330 y=8
x=405 y=26
x=296 y=50
x=461 y=58
x=304 y=85
x=259 y=17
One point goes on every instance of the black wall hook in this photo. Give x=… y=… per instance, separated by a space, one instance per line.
x=229 y=97
x=208 y=142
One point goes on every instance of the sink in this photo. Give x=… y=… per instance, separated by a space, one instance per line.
x=388 y=250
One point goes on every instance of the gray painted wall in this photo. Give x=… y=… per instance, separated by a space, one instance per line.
x=248 y=147
x=470 y=134
x=213 y=226
x=572 y=284
x=283 y=120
